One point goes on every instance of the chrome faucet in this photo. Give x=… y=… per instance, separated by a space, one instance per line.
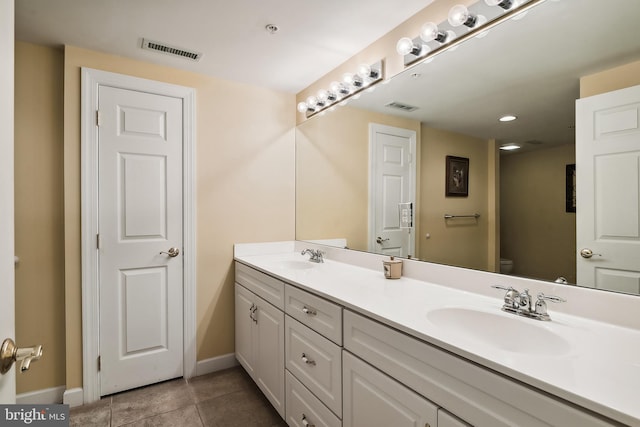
x=520 y=303
x=316 y=255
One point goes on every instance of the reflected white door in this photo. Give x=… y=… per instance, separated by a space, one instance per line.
x=392 y=181
x=140 y=216
x=7 y=319
x=608 y=190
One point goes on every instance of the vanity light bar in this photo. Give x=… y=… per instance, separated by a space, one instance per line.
x=426 y=50
x=338 y=92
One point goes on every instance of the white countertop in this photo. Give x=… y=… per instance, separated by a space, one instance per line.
x=596 y=365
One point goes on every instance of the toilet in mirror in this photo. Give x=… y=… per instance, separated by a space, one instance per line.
x=568 y=73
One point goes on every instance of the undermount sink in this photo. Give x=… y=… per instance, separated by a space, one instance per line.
x=296 y=265
x=514 y=334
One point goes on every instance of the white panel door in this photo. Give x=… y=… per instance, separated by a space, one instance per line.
x=608 y=190
x=393 y=181
x=7 y=320
x=140 y=219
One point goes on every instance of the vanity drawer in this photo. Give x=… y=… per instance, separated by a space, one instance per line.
x=319 y=314
x=315 y=361
x=303 y=406
x=477 y=395
x=263 y=285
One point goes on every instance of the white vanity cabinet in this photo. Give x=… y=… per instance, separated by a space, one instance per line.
x=259 y=332
x=477 y=395
x=321 y=364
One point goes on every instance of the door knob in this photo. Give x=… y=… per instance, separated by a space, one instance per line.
x=10 y=353
x=380 y=240
x=172 y=252
x=588 y=253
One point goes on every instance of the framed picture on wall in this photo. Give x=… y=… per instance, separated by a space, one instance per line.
x=571 y=188
x=457 y=177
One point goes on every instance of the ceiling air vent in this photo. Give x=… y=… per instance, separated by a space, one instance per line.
x=170 y=50
x=401 y=106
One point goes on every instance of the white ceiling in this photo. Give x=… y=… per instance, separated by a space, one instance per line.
x=313 y=38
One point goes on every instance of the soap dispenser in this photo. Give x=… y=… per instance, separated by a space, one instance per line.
x=392 y=268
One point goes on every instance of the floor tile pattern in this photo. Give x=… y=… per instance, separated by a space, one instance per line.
x=226 y=398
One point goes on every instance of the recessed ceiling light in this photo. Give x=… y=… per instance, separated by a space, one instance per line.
x=509 y=147
x=508 y=118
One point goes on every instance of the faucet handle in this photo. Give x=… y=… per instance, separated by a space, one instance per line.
x=504 y=288
x=552 y=298
x=511 y=297
x=541 y=305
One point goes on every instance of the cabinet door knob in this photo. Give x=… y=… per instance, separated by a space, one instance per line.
x=308 y=361
x=309 y=311
x=305 y=423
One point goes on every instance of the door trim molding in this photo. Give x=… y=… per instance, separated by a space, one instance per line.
x=91 y=80
x=411 y=134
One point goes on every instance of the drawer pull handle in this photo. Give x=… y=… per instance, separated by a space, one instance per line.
x=252 y=313
x=305 y=423
x=309 y=311
x=308 y=361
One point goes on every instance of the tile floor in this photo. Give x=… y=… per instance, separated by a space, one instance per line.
x=227 y=398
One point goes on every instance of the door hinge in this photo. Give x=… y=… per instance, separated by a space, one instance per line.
x=99 y=363
x=98 y=241
x=98 y=123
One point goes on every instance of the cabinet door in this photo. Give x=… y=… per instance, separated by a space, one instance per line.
x=372 y=399
x=445 y=419
x=244 y=304
x=269 y=346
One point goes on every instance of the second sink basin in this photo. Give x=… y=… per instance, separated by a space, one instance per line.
x=513 y=334
x=297 y=265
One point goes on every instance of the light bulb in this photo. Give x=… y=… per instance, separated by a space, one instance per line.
x=312 y=101
x=352 y=79
x=323 y=96
x=302 y=107
x=405 y=46
x=505 y=4
x=460 y=15
x=430 y=31
x=339 y=89
x=366 y=72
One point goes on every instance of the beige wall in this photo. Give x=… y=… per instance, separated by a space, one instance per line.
x=612 y=79
x=536 y=231
x=245 y=176
x=39 y=212
x=460 y=242
x=333 y=174
x=244 y=182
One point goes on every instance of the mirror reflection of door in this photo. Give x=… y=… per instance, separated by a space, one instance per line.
x=392 y=182
x=608 y=220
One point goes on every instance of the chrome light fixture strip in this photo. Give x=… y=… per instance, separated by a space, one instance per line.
x=411 y=59
x=376 y=75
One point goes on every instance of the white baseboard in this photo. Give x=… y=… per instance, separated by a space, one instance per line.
x=73 y=397
x=215 y=364
x=45 y=396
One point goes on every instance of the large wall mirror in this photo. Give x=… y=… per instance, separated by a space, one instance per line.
x=509 y=211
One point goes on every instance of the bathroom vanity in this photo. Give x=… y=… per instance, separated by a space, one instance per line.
x=334 y=343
